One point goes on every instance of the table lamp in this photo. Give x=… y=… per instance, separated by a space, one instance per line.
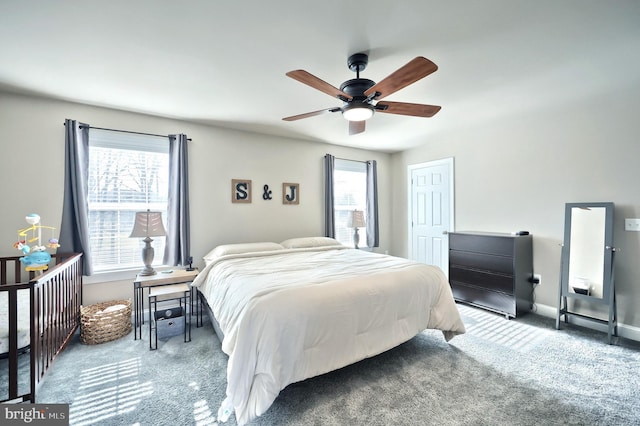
x=148 y=224
x=356 y=220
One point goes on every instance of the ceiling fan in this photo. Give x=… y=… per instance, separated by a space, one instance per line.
x=361 y=97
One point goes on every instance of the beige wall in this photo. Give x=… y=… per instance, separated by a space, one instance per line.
x=516 y=173
x=32 y=161
x=512 y=173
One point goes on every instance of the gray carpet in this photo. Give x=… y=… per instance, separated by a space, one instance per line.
x=518 y=372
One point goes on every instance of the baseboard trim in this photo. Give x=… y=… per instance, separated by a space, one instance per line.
x=624 y=330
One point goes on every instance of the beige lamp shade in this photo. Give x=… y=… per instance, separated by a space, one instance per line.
x=356 y=219
x=148 y=224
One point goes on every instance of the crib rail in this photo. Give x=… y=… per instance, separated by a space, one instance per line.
x=55 y=300
x=12 y=271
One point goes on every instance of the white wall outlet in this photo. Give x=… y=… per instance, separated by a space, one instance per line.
x=632 y=224
x=537 y=277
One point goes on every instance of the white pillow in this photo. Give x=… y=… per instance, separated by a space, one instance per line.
x=240 y=248
x=310 y=242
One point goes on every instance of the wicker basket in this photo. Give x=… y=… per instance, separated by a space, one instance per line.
x=105 y=321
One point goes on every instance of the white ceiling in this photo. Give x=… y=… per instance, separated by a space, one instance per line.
x=224 y=62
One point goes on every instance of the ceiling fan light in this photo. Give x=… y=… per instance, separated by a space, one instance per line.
x=358 y=112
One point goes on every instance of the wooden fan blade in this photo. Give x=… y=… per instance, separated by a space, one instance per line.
x=310 y=114
x=356 y=127
x=404 y=108
x=416 y=69
x=311 y=80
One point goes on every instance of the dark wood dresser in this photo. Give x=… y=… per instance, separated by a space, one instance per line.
x=492 y=271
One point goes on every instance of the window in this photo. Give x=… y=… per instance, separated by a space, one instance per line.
x=127 y=173
x=349 y=193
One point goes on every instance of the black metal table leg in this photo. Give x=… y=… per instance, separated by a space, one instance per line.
x=153 y=305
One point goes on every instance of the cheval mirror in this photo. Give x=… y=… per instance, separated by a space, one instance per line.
x=586 y=274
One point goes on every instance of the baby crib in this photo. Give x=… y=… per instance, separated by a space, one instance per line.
x=52 y=300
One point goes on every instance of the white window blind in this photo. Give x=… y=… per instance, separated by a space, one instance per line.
x=349 y=193
x=127 y=173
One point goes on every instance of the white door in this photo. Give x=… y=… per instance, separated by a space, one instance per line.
x=431 y=212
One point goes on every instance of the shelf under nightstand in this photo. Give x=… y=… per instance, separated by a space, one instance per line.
x=164 y=293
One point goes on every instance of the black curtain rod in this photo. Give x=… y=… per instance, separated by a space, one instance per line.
x=348 y=159
x=126 y=131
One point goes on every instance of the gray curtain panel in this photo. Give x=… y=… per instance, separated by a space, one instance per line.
x=177 y=248
x=329 y=214
x=373 y=239
x=74 y=229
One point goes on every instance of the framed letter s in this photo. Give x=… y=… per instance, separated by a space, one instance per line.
x=240 y=191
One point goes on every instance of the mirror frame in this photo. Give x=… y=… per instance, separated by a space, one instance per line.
x=608 y=249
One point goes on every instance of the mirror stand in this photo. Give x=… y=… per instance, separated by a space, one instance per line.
x=586 y=272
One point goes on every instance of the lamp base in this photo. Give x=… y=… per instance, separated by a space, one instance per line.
x=147 y=258
x=147 y=271
x=356 y=238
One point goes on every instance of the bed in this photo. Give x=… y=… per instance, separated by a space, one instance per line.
x=39 y=313
x=290 y=311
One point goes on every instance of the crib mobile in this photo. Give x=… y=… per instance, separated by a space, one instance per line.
x=36 y=257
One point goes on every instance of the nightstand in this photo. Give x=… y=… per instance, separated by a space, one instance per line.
x=162 y=278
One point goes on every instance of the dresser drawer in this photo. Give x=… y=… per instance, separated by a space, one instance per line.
x=492 y=300
x=482 y=279
x=482 y=261
x=502 y=246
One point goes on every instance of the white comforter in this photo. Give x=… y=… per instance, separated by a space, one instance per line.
x=288 y=315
